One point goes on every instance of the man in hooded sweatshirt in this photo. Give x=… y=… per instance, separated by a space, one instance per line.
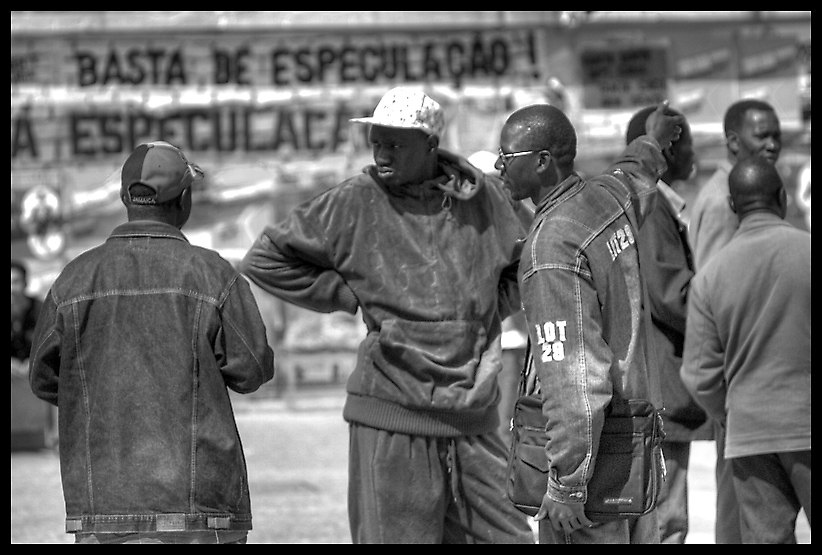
x=429 y=258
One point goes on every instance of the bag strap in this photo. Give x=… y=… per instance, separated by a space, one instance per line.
x=528 y=376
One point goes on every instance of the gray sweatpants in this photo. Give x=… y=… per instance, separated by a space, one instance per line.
x=416 y=489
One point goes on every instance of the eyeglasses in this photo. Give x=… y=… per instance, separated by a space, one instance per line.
x=508 y=156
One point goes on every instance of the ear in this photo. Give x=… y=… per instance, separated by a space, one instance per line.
x=668 y=153
x=547 y=167
x=185 y=198
x=731 y=204
x=732 y=141
x=783 y=202
x=433 y=142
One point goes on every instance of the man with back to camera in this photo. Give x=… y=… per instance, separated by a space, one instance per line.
x=667 y=266
x=138 y=341
x=430 y=260
x=751 y=129
x=583 y=298
x=747 y=356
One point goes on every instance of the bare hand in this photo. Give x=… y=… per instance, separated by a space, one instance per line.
x=666 y=129
x=564 y=517
x=468 y=178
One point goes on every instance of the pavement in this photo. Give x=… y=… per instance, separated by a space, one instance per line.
x=296 y=448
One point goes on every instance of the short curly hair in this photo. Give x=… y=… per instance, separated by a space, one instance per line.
x=548 y=127
x=735 y=114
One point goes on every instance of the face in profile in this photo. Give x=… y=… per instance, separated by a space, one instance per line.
x=402 y=156
x=517 y=172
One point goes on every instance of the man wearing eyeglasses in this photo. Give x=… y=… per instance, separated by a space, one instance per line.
x=137 y=342
x=583 y=298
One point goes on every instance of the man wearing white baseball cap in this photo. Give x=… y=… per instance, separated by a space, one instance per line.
x=429 y=257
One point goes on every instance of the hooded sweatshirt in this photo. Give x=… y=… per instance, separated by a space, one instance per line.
x=432 y=268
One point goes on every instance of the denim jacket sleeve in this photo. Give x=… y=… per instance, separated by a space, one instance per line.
x=44 y=370
x=632 y=178
x=570 y=355
x=247 y=361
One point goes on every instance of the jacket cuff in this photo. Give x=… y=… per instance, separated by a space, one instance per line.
x=565 y=494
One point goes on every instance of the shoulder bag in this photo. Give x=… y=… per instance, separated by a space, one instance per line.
x=629 y=467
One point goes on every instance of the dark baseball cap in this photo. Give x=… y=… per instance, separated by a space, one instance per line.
x=161 y=166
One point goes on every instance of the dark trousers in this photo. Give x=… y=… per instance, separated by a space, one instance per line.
x=644 y=529
x=771 y=489
x=415 y=489
x=672 y=510
x=726 y=528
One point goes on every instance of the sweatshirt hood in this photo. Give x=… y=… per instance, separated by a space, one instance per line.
x=461 y=181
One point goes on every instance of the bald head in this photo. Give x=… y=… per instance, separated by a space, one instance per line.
x=542 y=126
x=755 y=186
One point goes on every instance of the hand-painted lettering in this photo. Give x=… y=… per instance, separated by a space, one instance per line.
x=620 y=240
x=551 y=338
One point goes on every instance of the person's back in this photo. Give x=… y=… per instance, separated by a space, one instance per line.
x=751 y=129
x=139 y=339
x=759 y=289
x=747 y=356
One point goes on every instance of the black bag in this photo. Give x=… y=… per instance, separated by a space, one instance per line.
x=629 y=465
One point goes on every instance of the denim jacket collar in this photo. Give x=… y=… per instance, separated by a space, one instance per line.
x=573 y=180
x=147 y=228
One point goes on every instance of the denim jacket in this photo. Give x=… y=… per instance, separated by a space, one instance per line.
x=584 y=303
x=136 y=343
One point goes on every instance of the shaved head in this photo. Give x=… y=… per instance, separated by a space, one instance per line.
x=542 y=126
x=755 y=185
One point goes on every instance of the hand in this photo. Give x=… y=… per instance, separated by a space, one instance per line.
x=449 y=158
x=666 y=129
x=465 y=178
x=564 y=517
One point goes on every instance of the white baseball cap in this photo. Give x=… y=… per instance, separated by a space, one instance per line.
x=406 y=108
